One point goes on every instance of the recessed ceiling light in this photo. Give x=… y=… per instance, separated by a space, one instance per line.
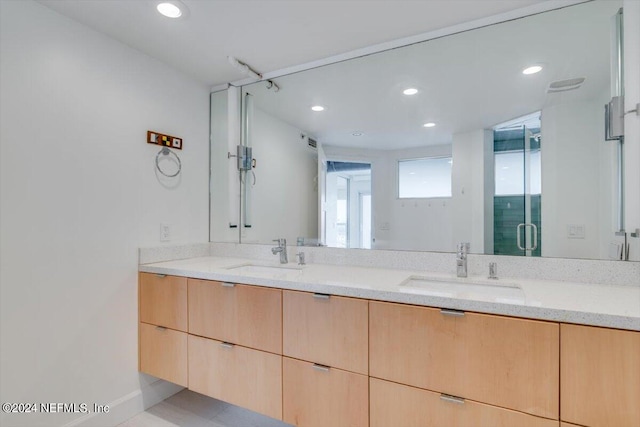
x=357 y=134
x=317 y=108
x=532 y=70
x=172 y=9
x=410 y=91
x=429 y=125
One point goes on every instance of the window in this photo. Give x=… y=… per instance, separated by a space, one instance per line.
x=510 y=173
x=423 y=178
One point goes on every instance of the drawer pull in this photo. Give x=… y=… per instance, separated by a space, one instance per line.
x=161 y=275
x=448 y=312
x=452 y=399
x=321 y=368
x=227 y=345
x=161 y=328
x=321 y=296
x=228 y=285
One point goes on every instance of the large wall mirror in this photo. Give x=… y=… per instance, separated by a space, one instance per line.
x=439 y=142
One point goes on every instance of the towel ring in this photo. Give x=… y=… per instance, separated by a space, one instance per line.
x=165 y=152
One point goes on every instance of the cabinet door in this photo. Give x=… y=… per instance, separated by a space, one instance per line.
x=242 y=376
x=163 y=353
x=316 y=396
x=600 y=376
x=400 y=405
x=250 y=316
x=513 y=363
x=163 y=300
x=324 y=329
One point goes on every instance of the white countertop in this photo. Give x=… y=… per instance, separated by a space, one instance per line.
x=589 y=304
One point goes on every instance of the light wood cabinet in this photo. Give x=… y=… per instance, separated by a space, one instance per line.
x=600 y=376
x=324 y=329
x=315 y=396
x=351 y=362
x=163 y=353
x=250 y=316
x=163 y=300
x=400 y=405
x=242 y=376
x=507 y=362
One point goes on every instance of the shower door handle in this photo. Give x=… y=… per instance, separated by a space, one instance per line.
x=535 y=237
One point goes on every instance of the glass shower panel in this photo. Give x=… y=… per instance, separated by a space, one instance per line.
x=517 y=196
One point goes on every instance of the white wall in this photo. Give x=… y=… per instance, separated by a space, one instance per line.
x=284 y=200
x=472 y=188
x=577 y=188
x=78 y=196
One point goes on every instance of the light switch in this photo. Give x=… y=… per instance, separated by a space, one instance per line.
x=576 y=231
x=165 y=232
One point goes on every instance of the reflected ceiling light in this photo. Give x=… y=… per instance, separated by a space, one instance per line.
x=410 y=91
x=429 y=125
x=532 y=70
x=357 y=134
x=171 y=9
x=317 y=108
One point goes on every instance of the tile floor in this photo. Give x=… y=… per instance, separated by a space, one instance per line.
x=189 y=409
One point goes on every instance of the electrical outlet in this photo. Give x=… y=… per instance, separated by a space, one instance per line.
x=165 y=232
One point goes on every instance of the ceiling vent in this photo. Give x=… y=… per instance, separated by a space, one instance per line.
x=312 y=143
x=565 y=85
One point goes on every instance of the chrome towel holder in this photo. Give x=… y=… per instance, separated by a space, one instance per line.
x=165 y=152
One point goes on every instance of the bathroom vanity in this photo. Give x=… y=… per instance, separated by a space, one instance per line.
x=320 y=345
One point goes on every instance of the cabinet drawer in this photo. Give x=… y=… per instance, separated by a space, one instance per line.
x=242 y=376
x=512 y=363
x=246 y=315
x=163 y=353
x=600 y=376
x=163 y=300
x=400 y=405
x=326 y=329
x=320 y=397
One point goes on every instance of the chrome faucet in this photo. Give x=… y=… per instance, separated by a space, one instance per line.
x=461 y=259
x=300 y=256
x=493 y=270
x=281 y=249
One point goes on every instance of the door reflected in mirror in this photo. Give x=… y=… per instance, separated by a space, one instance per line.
x=348 y=205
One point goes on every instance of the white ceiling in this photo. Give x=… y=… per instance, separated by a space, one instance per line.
x=269 y=34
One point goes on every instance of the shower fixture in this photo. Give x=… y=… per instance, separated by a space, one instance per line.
x=272 y=85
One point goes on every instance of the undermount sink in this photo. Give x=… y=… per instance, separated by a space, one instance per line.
x=468 y=288
x=264 y=268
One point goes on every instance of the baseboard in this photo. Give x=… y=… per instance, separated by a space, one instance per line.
x=129 y=405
